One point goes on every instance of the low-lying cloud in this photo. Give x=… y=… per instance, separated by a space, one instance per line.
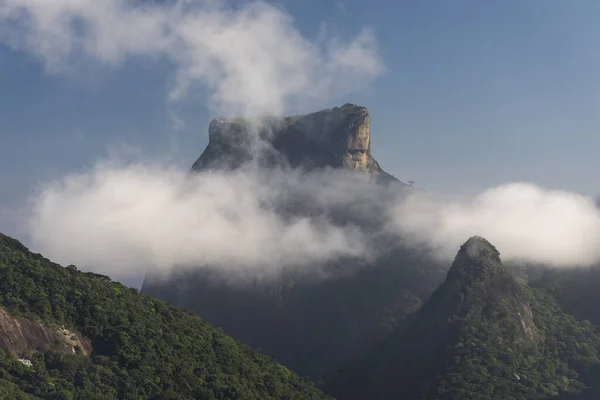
x=125 y=219
x=138 y=217
x=525 y=222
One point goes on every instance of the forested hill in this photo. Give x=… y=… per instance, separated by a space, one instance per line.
x=120 y=344
x=480 y=336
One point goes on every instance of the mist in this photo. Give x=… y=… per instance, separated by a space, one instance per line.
x=527 y=223
x=126 y=219
x=129 y=218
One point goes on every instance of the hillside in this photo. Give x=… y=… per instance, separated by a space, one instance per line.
x=481 y=335
x=119 y=344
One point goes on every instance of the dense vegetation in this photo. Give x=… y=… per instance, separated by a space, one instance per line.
x=576 y=290
x=480 y=336
x=143 y=347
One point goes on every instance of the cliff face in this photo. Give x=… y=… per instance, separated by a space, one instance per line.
x=20 y=335
x=337 y=138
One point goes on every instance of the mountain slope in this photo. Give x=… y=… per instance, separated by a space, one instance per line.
x=480 y=336
x=312 y=324
x=141 y=348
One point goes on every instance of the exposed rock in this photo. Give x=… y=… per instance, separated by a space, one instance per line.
x=338 y=137
x=20 y=335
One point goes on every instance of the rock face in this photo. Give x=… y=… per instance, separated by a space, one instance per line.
x=338 y=137
x=21 y=335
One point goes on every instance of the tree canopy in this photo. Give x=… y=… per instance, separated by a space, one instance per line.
x=143 y=348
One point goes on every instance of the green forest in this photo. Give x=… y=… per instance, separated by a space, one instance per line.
x=143 y=348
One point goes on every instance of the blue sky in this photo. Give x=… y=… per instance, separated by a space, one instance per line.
x=474 y=94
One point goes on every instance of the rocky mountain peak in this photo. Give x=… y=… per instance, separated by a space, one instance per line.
x=477 y=260
x=336 y=137
x=478 y=283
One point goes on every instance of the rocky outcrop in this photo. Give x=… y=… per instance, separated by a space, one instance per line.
x=338 y=137
x=478 y=282
x=20 y=335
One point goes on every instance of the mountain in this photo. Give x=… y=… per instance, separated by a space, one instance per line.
x=312 y=323
x=337 y=138
x=65 y=334
x=481 y=335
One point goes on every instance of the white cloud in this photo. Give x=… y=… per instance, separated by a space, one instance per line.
x=252 y=59
x=122 y=220
x=525 y=222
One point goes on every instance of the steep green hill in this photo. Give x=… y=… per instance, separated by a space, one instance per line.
x=143 y=348
x=481 y=335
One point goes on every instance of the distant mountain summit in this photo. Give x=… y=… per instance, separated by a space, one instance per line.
x=338 y=138
x=478 y=283
x=480 y=335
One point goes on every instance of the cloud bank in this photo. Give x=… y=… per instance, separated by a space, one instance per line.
x=525 y=222
x=124 y=219
x=116 y=218
x=251 y=59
